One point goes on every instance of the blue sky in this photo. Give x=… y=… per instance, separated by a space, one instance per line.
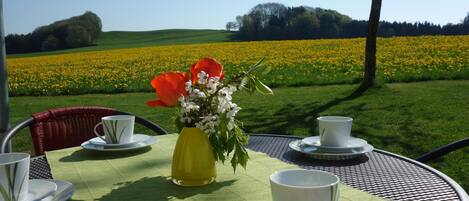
x=22 y=16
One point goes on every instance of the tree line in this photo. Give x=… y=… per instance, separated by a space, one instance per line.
x=78 y=31
x=274 y=21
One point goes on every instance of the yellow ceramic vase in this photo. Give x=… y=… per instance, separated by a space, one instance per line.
x=193 y=162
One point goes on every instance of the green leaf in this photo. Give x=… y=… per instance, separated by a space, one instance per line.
x=256 y=66
x=267 y=70
x=231 y=144
x=262 y=88
x=240 y=156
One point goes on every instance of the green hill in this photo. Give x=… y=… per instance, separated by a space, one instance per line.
x=129 y=39
x=161 y=37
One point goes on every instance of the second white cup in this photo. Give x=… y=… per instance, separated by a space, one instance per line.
x=304 y=185
x=14 y=176
x=118 y=129
x=334 y=131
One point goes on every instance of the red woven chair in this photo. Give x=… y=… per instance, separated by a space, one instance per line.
x=67 y=127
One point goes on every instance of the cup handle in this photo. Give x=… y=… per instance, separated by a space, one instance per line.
x=96 y=132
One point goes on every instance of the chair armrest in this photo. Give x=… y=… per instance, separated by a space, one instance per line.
x=443 y=150
x=4 y=148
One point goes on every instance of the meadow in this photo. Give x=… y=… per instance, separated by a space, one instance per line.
x=404 y=118
x=130 y=39
x=293 y=63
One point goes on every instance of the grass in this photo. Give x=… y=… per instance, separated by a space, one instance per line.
x=405 y=118
x=130 y=39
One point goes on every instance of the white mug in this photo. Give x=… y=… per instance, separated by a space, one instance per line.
x=304 y=185
x=118 y=129
x=14 y=176
x=334 y=131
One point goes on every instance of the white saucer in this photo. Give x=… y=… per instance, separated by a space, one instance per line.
x=314 y=152
x=90 y=146
x=354 y=144
x=136 y=138
x=64 y=191
x=39 y=189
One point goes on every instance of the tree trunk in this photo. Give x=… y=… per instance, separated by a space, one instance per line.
x=370 y=49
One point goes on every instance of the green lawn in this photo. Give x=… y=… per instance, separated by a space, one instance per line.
x=405 y=118
x=130 y=39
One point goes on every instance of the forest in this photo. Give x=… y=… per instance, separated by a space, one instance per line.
x=274 y=21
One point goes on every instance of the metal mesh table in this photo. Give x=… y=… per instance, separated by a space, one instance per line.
x=380 y=173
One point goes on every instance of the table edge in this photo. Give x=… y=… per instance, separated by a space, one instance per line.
x=459 y=190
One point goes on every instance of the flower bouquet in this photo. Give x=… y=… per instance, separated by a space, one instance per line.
x=204 y=102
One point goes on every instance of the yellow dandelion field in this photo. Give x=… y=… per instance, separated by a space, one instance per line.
x=293 y=63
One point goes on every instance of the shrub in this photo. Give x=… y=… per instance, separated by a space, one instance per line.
x=78 y=31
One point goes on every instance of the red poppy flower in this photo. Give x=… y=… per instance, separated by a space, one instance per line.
x=209 y=66
x=169 y=87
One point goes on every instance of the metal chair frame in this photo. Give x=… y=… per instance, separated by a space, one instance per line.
x=439 y=152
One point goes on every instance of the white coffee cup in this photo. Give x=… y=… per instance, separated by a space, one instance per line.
x=14 y=176
x=334 y=131
x=304 y=185
x=118 y=129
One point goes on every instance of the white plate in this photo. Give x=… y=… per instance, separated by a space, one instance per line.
x=354 y=144
x=90 y=146
x=64 y=191
x=314 y=152
x=136 y=138
x=39 y=189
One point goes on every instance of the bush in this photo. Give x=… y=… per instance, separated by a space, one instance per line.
x=77 y=36
x=78 y=31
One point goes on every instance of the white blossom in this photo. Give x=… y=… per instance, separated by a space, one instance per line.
x=196 y=93
x=189 y=86
x=232 y=110
x=182 y=101
x=226 y=92
x=187 y=105
x=220 y=104
x=191 y=106
x=185 y=119
x=202 y=77
x=223 y=104
x=213 y=84
x=208 y=123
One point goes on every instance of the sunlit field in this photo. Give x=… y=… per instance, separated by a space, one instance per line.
x=294 y=63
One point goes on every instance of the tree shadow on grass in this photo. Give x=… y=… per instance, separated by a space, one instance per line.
x=291 y=117
x=294 y=116
x=409 y=132
x=159 y=188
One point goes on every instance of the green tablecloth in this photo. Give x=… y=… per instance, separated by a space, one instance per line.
x=145 y=175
